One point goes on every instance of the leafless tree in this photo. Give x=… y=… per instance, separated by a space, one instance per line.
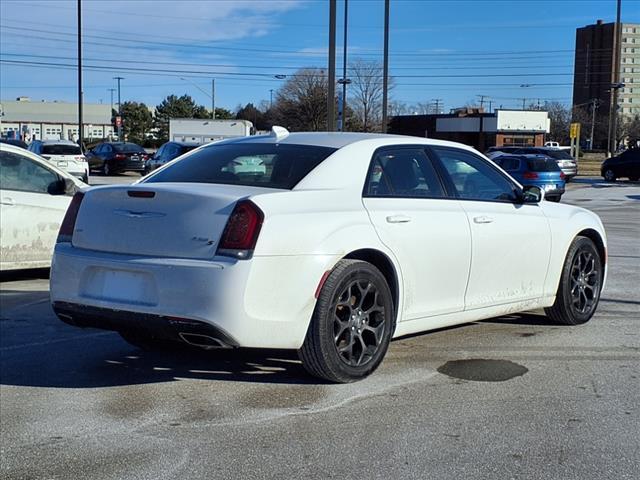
x=366 y=92
x=301 y=103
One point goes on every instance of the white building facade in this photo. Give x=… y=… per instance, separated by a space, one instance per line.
x=34 y=120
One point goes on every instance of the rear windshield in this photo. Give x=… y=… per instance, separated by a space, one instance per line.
x=61 y=150
x=256 y=164
x=128 y=147
x=542 y=165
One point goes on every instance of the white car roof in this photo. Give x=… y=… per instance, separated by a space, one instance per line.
x=58 y=142
x=339 y=139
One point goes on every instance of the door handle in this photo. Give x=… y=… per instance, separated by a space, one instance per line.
x=398 y=219
x=8 y=201
x=482 y=219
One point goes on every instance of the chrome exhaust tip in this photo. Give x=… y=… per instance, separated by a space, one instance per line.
x=202 y=341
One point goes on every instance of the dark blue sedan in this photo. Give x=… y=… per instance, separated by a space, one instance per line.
x=535 y=170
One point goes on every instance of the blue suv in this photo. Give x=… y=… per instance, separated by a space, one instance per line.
x=535 y=170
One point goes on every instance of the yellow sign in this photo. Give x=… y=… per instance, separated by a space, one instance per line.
x=574 y=131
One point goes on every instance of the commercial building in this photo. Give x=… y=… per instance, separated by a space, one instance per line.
x=594 y=72
x=205 y=131
x=29 y=120
x=477 y=128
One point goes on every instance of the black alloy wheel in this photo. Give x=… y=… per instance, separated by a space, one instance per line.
x=358 y=324
x=352 y=324
x=580 y=284
x=610 y=175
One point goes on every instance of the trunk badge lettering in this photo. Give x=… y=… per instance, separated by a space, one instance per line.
x=133 y=214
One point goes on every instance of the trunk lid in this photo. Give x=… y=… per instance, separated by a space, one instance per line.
x=180 y=220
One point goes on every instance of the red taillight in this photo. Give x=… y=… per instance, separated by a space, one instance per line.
x=562 y=175
x=69 y=222
x=241 y=232
x=120 y=156
x=530 y=175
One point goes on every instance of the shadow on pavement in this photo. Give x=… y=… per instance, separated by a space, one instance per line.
x=18 y=275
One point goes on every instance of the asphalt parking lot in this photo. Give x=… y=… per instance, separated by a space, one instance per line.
x=537 y=401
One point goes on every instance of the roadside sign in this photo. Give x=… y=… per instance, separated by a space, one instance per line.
x=574 y=130
x=118 y=121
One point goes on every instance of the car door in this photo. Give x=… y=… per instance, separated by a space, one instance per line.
x=30 y=217
x=93 y=157
x=511 y=242
x=428 y=233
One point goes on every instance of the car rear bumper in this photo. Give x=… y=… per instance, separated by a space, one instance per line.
x=265 y=302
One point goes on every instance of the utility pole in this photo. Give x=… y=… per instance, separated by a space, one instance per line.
x=524 y=100
x=385 y=68
x=270 y=99
x=119 y=109
x=80 y=99
x=213 y=98
x=343 y=104
x=594 y=104
x=111 y=90
x=490 y=103
x=437 y=102
x=331 y=91
x=615 y=85
x=482 y=97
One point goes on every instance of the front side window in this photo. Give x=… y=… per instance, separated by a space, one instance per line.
x=474 y=178
x=23 y=174
x=251 y=164
x=403 y=172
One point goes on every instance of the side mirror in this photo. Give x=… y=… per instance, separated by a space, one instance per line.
x=57 y=187
x=532 y=194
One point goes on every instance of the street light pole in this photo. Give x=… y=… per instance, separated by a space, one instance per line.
x=385 y=68
x=343 y=107
x=80 y=119
x=111 y=90
x=331 y=90
x=119 y=109
x=270 y=98
x=613 y=109
x=594 y=103
x=213 y=98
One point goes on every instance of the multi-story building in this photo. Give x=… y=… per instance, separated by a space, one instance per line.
x=594 y=72
x=29 y=120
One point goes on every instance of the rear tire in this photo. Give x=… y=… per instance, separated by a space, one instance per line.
x=554 y=198
x=609 y=175
x=352 y=324
x=580 y=284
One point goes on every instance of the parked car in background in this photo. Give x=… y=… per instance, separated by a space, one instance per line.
x=503 y=149
x=34 y=196
x=64 y=154
x=15 y=142
x=346 y=241
x=117 y=157
x=563 y=158
x=626 y=164
x=534 y=170
x=168 y=152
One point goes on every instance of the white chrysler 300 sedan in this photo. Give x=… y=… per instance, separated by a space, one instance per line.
x=343 y=242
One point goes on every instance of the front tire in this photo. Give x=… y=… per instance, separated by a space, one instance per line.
x=580 y=284
x=106 y=170
x=352 y=324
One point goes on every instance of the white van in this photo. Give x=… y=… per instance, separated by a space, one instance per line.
x=64 y=154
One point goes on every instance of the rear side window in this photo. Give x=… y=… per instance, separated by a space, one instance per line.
x=252 y=164
x=61 y=149
x=542 y=165
x=509 y=164
x=403 y=172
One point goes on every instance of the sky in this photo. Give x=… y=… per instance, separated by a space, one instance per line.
x=449 y=50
